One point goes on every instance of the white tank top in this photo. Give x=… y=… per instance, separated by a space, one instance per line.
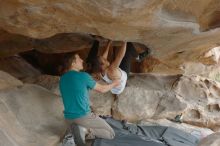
x=119 y=89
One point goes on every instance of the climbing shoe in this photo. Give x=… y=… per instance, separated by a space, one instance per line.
x=143 y=55
x=68 y=140
x=79 y=135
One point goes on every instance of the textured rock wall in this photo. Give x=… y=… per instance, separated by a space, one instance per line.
x=158 y=97
x=184 y=38
x=29 y=113
x=39 y=18
x=177 y=31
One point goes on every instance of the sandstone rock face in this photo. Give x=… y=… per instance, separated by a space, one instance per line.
x=18 y=67
x=63 y=43
x=102 y=103
x=211 y=140
x=30 y=116
x=47 y=81
x=11 y=44
x=29 y=113
x=159 y=97
x=177 y=31
x=184 y=38
x=150 y=96
x=202 y=96
x=7 y=81
x=209 y=71
x=46 y=18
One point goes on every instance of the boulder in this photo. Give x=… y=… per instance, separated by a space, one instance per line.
x=11 y=44
x=30 y=116
x=177 y=31
x=202 y=97
x=18 y=67
x=47 y=81
x=63 y=43
x=159 y=96
x=8 y=81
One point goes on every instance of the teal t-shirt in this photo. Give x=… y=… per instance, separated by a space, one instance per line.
x=74 y=88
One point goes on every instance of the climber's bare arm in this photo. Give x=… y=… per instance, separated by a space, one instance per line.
x=119 y=57
x=105 y=54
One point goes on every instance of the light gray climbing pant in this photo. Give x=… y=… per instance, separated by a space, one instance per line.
x=96 y=126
